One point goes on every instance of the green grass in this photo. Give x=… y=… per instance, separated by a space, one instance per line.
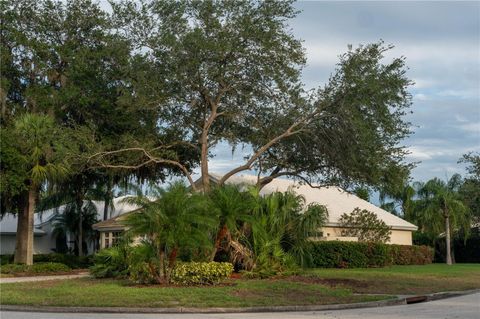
x=403 y=279
x=315 y=286
x=116 y=293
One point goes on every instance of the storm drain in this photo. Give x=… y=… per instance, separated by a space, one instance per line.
x=416 y=299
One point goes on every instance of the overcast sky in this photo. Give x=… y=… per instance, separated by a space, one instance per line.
x=441 y=42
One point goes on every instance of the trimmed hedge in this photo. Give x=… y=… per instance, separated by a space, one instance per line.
x=342 y=254
x=201 y=273
x=410 y=255
x=39 y=268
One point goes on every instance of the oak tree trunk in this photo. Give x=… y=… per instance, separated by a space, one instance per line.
x=204 y=164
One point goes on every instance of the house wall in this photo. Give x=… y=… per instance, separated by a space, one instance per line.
x=7 y=244
x=41 y=244
x=397 y=237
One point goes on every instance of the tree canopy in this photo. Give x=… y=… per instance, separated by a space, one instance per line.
x=230 y=71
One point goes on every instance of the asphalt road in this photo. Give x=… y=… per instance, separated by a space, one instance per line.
x=464 y=307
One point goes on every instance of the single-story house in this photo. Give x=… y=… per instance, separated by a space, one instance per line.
x=44 y=240
x=335 y=199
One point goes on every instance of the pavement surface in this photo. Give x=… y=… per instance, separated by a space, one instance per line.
x=463 y=307
x=41 y=278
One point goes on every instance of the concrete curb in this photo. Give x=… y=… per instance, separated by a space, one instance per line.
x=372 y=304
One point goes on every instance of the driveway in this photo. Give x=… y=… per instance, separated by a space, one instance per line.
x=464 y=307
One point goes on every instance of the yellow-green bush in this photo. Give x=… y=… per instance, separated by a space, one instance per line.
x=201 y=273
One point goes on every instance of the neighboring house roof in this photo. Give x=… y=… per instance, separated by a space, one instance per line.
x=335 y=199
x=8 y=224
x=112 y=224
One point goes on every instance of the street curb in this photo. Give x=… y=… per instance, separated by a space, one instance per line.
x=371 y=304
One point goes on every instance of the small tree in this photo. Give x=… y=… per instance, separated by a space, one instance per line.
x=364 y=225
x=173 y=220
x=281 y=227
x=233 y=207
x=441 y=209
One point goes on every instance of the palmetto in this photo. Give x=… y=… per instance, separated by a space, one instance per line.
x=233 y=206
x=172 y=219
x=281 y=228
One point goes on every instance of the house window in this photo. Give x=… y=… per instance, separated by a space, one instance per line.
x=111 y=239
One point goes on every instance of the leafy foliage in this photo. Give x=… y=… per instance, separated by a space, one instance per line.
x=233 y=205
x=364 y=225
x=175 y=219
x=442 y=209
x=193 y=57
x=201 y=273
x=339 y=254
x=280 y=230
x=110 y=262
x=72 y=261
x=38 y=268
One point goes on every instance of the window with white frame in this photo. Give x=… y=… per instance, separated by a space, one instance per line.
x=111 y=238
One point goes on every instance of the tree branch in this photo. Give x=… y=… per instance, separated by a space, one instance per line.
x=151 y=159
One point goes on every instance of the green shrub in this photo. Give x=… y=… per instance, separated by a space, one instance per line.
x=74 y=262
x=143 y=265
x=6 y=259
x=13 y=268
x=38 y=268
x=339 y=254
x=410 y=255
x=201 y=273
x=110 y=263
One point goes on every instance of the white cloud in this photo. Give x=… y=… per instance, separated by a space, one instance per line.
x=421 y=97
x=471 y=127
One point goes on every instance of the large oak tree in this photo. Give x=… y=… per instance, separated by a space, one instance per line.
x=230 y=71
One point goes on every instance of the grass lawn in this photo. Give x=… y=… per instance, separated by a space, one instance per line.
x=402 y=279
x=116 y=293
x=315 y=286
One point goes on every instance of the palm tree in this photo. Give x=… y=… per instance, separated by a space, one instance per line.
x=174 y=219
x=233 y=206
x=68 y=222
x=442 y=210
x=41 y=144
x=77 y=193
x=403 y=196
x=281 y=229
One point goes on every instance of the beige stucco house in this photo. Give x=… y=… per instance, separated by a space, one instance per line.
x=337 y=202
x=335 y=199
